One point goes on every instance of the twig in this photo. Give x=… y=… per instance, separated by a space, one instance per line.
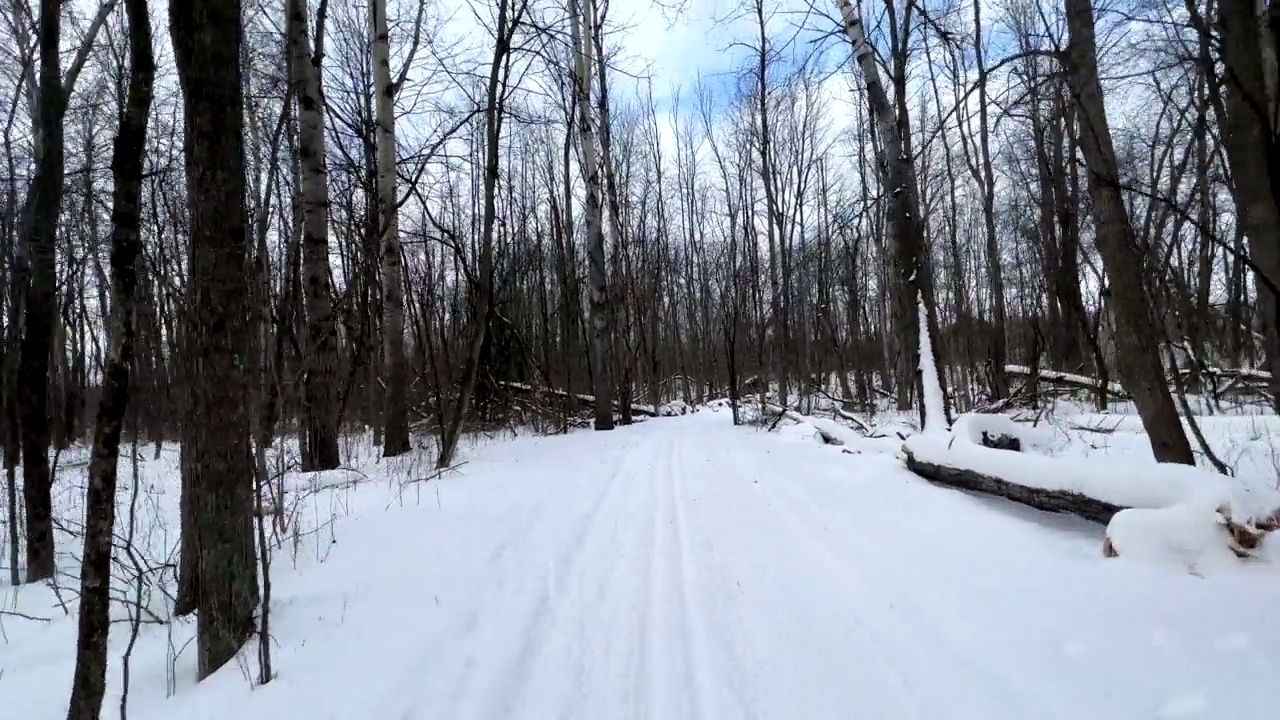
x=24 y=616
x=435 y=475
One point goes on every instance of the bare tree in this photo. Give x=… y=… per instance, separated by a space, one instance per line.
x=906 y=235
x=395 y=432
x=127 y=162
x=509 y=19
x=218 y=469
x=37 y=269
x=1141 y=370
x=320 y=375
x=601 y=340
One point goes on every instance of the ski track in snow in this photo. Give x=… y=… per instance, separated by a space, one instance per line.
x=684 y=568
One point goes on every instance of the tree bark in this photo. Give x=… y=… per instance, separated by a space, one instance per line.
x=395 y=436
x=493 y=115
x=218 y=482
x=40 y=224
x=89 y=682
x=1083 y=506
x=1137 y=337
x=1253 y=150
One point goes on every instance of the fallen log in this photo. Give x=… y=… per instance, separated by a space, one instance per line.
x=581 y=397
x=1083 y=506
x=1070 y=380
x=1149 y=510
x=781 y=412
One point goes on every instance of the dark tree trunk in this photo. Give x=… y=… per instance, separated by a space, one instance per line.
x=1253 y=150
x=913 y=283
x=218 y=479
x=40 y=223
x=90 y=678
x=1137 y=332
x=499 y=69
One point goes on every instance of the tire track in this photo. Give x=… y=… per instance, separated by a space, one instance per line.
x=509 y=686
x=695 y=633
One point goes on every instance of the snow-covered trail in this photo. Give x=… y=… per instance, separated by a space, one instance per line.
x=685 y=568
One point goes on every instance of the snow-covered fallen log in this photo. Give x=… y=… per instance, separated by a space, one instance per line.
x=1194 y=533
x=825 y=434
x=1242 y=373
x=1050 y=500
x=645 y=410
x=829 y=431
x=1179 y=512
x=1079 y=382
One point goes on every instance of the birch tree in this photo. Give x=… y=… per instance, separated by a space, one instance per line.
x=395 y=431
x=905 y=232
x=601 y=341
x=320 y=412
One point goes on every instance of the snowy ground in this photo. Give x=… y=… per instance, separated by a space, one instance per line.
x=684 y=568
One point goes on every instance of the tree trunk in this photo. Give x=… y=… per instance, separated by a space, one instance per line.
x=320 y=416
x=493 y=115
x=1253 y=150
x=601 y=341
x=998 y=347
x=905 y=231
x=90 y=678
x=39 y=228
x=395 y=437
x=1137 y=337
x=218 y=483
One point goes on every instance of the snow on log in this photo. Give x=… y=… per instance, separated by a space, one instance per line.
x=924 y=461
x=1156 y=511
x=1193 y=533
x=825 y=434
x=1053 y=377
x=582 y=397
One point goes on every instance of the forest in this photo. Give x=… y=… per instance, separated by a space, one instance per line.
x=237 y=226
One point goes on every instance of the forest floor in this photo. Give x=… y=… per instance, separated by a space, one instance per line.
x=682 y=568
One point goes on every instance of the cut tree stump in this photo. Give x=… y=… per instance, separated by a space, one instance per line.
x=1049 y=500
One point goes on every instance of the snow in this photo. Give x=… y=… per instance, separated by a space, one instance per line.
x=683 y=568
x=935 y=414
x=972 y=426
x=674 y=408
x=1188 y=534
